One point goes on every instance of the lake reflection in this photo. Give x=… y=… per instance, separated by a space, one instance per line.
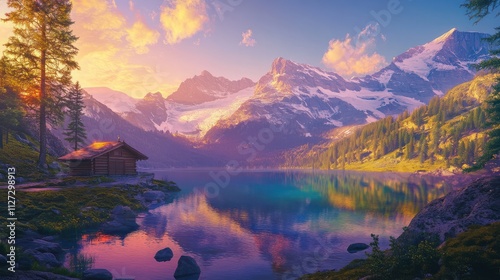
x=265 y=225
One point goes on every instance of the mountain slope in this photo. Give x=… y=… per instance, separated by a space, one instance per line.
x=449 y=132
x=117 y=101
x=205 y=88
x=310 y=102
x=163 y=149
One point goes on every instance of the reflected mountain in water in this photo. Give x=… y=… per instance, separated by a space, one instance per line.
x=265 y=225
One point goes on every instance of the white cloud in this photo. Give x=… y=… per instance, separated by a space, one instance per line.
x=247 y=39
x=183 y=19
x=355 y=56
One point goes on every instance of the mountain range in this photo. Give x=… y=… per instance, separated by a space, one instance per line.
x=229 y=119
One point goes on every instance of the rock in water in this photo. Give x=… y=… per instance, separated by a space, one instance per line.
x=97 y=274
x=475 y=204
x=356 y=247
x=150 y=196
x=186 y=266
x=123 y=221
x=164 y=255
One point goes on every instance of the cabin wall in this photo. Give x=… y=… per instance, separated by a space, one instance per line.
x=116 y=162
x=80 y=168
x=101 y=165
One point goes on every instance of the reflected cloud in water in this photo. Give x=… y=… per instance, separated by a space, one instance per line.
x=265 y=224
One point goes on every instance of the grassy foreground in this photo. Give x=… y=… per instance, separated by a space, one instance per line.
x=473 y=254
x=76 y=208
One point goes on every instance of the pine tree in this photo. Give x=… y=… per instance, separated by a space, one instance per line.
x=410 y=147
x=75 y=131
x=423 y=149
x=42 y=54
x=11 y=111
x=478 y=10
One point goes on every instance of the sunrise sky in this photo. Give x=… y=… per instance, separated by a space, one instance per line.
x=153 y=45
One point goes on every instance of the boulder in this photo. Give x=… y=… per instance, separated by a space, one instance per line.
x=47 y=260
x=164 y=255
x=42 y=246
x=186 y=266
x=478 y=203
x=356 y=247
x=97 y=274
x=123 y=221
x=150 y=196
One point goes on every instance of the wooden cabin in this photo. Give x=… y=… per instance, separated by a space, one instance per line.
x=104 y=158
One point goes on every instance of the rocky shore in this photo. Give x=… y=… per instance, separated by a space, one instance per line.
x=44 y=252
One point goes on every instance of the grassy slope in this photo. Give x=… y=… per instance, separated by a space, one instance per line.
x=473 y=254
x=23 y=158
x=476 y=90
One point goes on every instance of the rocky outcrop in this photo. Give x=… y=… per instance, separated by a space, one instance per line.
x=122 y=221
x=47 y=253
x=475 y=204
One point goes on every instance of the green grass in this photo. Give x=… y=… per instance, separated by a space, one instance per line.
x=76 y=208
x=23 y=158
x=473 y=254
x=53 y=212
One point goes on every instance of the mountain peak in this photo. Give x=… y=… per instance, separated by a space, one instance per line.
x=205 y=73
x=281 y=66
x=445 y=36
x=153 y=96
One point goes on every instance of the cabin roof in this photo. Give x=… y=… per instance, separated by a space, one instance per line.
x=97 y=149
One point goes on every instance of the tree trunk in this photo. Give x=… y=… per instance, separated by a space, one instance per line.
x=43 y=97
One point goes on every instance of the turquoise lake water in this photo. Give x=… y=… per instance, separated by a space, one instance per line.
x=263 y=224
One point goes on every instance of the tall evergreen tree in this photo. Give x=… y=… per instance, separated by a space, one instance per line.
x=75 y=132
x=10 y=105
x=478 y=9
x=42 y=54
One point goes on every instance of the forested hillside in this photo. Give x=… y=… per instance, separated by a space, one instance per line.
x=449 y=132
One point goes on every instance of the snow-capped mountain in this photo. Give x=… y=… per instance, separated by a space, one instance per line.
x=435 y=67
x=198 y=104
x=163 y=149
x=117 y=101
x=205 y=88
x=312 y=101
x=229 y=115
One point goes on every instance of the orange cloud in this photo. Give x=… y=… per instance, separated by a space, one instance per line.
x=347 y=58
x=140 y=36
x=183 y=19
x=247 y=39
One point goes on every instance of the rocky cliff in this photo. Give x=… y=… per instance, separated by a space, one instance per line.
x=477 y=203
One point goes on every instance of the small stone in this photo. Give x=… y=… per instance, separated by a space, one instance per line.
x=164 y=255
x=356 y=247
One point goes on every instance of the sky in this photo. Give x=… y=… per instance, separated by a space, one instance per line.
x=141 y=46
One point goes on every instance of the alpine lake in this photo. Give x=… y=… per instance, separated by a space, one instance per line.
x=263 y=224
